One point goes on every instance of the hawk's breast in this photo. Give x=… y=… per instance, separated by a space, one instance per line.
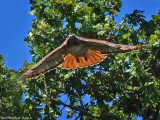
x=78 y=50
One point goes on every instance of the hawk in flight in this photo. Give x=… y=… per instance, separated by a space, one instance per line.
x=77 y=52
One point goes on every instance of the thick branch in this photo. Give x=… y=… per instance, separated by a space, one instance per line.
x=109 y=115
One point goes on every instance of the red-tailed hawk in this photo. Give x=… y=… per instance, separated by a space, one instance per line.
x=77 y=52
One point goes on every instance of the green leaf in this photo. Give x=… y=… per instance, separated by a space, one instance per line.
x=126 y=35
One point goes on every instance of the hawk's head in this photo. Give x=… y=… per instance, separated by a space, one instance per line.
x=73 y=40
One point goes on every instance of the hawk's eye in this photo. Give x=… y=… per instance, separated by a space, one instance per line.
x=71 y=36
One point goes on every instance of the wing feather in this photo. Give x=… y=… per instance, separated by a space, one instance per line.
x=50 y=61
x=106 y=47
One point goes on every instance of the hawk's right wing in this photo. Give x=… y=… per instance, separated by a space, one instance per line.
x=50 y=61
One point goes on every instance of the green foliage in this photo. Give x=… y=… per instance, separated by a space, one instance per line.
x=123 y=86
x=11 y=92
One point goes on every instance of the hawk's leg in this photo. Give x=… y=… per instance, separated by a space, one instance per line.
x=85 y=57
x=77 y=59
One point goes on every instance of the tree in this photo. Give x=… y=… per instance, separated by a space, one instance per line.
x=123 y=86
x=10 y=94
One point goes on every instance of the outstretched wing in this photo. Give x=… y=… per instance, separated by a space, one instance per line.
x=106 y=47
x=50 y=61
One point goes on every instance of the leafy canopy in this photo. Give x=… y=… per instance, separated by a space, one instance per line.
x=123 y=86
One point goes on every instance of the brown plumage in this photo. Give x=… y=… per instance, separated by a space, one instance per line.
x=77 y=52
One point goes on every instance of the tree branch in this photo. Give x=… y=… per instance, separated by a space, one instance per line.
x=108 y=115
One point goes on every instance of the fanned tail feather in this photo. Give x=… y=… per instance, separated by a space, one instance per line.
x=93 y=57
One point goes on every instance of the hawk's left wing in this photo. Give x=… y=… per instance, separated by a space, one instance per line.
x=106 y=47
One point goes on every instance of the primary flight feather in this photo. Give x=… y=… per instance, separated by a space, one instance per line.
x=77 y=52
